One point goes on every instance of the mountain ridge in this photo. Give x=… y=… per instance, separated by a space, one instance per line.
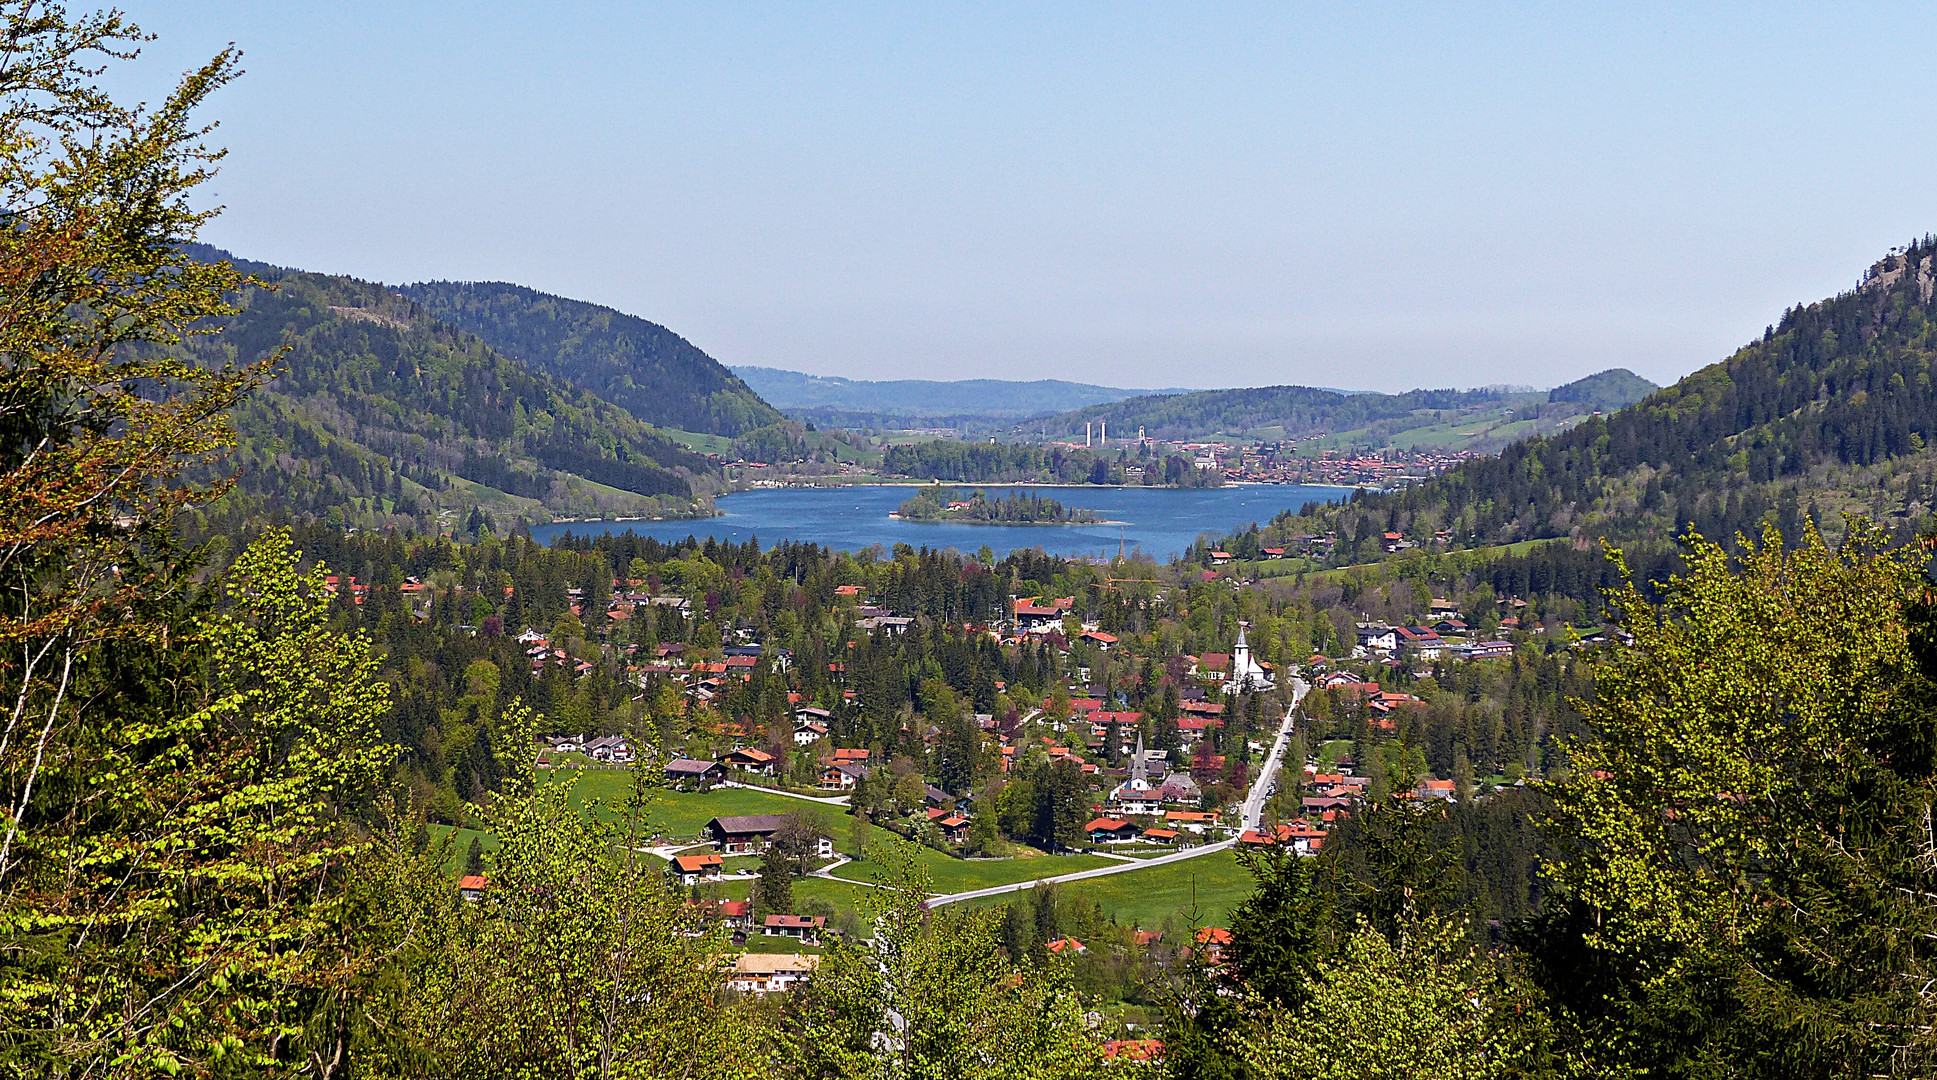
x=797 y=391
x=1304 y=410
x=381 y=414
x=1833 y=408
x=645 y=368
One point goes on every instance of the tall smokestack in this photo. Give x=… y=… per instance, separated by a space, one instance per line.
x=1086 y=432
x=1103 y=438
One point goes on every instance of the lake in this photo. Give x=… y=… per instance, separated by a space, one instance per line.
x=1159 y=522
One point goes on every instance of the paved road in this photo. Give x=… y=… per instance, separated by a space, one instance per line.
x=1253 y=811
x=1267 y=777
x=824 y=800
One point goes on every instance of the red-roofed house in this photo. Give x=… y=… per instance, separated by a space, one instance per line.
x=1213 y=940
x=1435 y=789
x=1133 y=1050
x=693 y=869
x=751 y=760
x=794 y=926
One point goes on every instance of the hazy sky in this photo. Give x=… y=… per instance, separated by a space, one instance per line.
x=1183 y=194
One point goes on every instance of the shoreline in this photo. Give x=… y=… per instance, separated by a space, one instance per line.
x=1036 y=484
x=1007 y=524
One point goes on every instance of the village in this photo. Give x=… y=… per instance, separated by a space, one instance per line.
x=1152 y=791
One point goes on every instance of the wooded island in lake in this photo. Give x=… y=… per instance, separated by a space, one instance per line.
x=940 y=503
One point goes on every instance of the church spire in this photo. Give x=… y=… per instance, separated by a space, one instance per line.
x=1139 y=768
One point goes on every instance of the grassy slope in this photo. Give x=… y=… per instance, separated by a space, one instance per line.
x=949 y=875
x=1143 y=897
x=681 y=815
x=1214 y=883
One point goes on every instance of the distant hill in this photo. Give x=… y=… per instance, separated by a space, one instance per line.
x=385 y=415
x=828 y=398
x=1833 y=408
x=1615 y=388
x=1298 y=411
x=644 y=368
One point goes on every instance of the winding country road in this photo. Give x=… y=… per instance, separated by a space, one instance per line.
x=1249 y=817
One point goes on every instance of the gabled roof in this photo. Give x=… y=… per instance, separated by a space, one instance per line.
x=691 y=766
x=795 y=922
x=748 y=823
x=693 y=864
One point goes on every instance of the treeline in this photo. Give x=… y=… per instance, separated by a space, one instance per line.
x=1303 y=410
x=1020 y=508
x=998 y=463
x=791 y=440
x=1298 y=409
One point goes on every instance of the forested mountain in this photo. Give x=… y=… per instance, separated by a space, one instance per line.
x=643 y=367
x=1303 y=410
x=815 y=396
x=381 y=412
x=1833 y=408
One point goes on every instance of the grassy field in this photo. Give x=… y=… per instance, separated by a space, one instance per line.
x=1145 y=896
x=1334 y=749
x=950 y=875
x=682 y=814
x=1213 y=883
x=461 y=845
x=702 y=442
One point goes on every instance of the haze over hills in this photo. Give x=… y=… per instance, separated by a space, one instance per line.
x=643 y=367
x=807 y=395
x=1296 y=411
x=381 y=412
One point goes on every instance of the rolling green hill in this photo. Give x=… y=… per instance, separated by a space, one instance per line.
x=381 y=414
x=642 y=367
x=1303 y=411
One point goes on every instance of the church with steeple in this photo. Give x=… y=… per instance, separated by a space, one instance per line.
x=1247 y=675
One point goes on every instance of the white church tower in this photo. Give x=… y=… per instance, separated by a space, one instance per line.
x=1246 y=674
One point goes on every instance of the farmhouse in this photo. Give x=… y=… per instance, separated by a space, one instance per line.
x=750 y=834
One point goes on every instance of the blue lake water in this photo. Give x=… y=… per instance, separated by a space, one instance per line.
x=1160 y=522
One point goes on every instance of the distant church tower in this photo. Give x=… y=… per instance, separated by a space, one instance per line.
x=1241 y=658
x=1139 y=768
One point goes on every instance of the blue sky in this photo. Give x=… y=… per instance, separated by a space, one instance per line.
x=1156 y=195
